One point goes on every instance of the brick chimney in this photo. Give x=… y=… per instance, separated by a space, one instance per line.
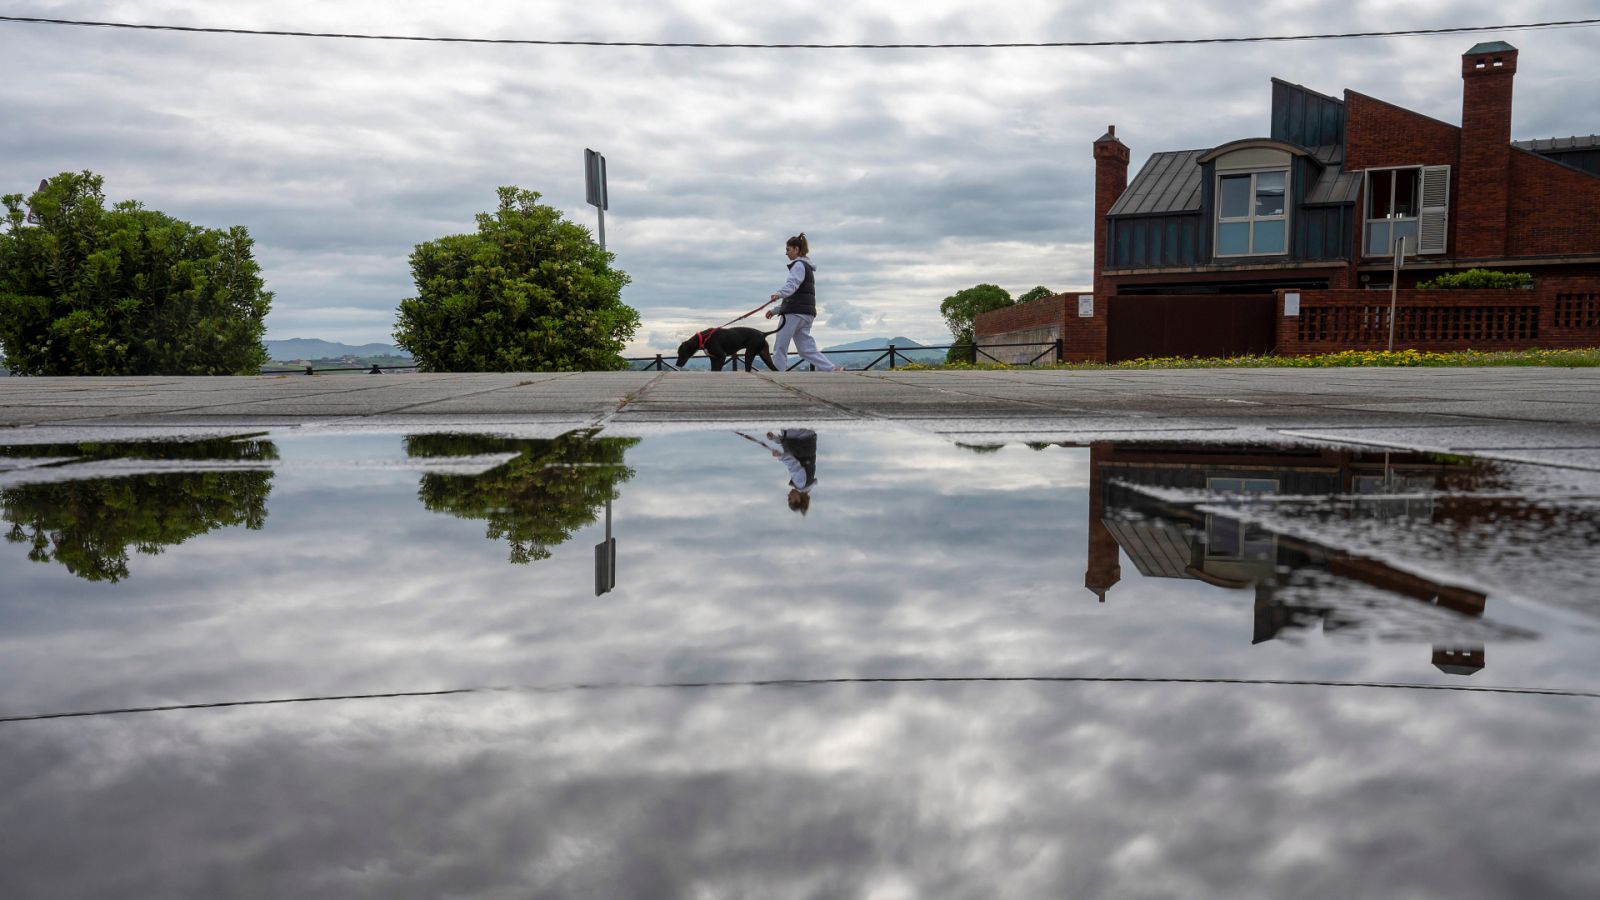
x=1481 y=204
x=1110 y=180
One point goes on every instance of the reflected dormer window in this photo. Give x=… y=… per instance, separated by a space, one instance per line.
x=1252 y=213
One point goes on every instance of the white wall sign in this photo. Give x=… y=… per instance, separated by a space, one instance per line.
x=1086 y=305
x=1291 y=303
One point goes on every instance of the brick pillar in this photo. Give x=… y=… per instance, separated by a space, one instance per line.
x=1481 y=207
x=1104 y=562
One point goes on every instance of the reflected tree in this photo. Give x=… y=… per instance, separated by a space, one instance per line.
x=89 y=525
x=535 y=502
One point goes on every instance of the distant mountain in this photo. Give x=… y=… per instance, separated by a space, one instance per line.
x=312 y=348
x=906 y=350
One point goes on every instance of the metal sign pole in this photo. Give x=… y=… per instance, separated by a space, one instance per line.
x=1394 y=284
x=594 y=176
x=605 y=559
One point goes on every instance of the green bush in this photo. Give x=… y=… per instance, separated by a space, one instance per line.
x=1473 y=279
x=125 y=290
x=528 y=292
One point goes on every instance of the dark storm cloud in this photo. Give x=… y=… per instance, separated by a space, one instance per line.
x=918 y=173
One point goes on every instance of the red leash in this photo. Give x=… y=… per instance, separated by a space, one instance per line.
x=746 y=315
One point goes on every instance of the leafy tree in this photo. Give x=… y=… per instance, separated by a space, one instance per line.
x=125 y=290
x=1477 y=278
x=528 y=292
x=962 y=307
x=89 y=525
x=538 y=500
x=1037 y=293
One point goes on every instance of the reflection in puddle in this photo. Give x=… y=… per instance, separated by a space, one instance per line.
x=536 y=501
x=89 y=526
x=1298 y=584
x=901 y=689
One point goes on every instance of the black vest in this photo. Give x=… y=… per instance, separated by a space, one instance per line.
x=801 y=443
x=803 y=302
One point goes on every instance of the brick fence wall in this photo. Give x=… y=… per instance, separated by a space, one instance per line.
x=1557 y=313
x=1083 y=338
x=1037 y=322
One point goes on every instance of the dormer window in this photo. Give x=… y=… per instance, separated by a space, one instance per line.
x=1252 y=211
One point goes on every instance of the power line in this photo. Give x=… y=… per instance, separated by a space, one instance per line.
x=192 y=29
x=818 y=682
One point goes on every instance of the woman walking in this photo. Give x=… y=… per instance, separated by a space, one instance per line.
x=799 y=309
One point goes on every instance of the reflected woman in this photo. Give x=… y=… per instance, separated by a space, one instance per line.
x=799 y=454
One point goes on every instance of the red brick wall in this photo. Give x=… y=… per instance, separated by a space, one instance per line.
x=1558 y=312
x=1039 y=313
x=1380 y=135
x=1083 y=339
x=1554 y=210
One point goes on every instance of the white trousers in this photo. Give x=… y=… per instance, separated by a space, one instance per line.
x=798 y=328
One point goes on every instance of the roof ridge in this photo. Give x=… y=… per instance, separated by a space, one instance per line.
x=1301 y=87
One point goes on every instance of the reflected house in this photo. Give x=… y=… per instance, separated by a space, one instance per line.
x=1175 y=539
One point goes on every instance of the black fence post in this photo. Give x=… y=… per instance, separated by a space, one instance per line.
x=375 y=370
x=660 y=363
x=1060 y=354
x=309 y=371
x=891 y=357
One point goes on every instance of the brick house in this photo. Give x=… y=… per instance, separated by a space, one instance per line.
x=1276 y=244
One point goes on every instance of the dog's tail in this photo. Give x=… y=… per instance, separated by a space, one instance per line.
x=781 y=317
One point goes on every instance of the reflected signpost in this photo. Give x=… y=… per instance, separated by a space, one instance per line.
x=605 y=559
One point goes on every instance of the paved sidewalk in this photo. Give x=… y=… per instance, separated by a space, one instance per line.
x=1535 y=414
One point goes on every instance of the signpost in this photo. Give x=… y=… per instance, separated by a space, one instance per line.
x=33 y=217
x=594 y=178
x=1394 y=283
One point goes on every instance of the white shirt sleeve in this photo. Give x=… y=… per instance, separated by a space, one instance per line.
x=797 y=275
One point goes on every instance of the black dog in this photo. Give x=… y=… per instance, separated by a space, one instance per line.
x=722 y=344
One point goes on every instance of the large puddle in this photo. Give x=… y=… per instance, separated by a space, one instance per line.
x=788 y=663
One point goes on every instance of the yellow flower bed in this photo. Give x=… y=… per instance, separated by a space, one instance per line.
x=1343 y=359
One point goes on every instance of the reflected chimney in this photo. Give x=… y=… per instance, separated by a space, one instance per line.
x=1105 y=557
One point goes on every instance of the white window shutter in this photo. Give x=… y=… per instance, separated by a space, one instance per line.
x=1433 y=225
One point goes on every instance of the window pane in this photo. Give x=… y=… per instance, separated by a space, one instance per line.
x=1378 y=238
x=1405 y=192
x=1378 y=192
x=1235 y=200
x=1407 y=228
x=1269 y=237
x=1269 y=193
x=1233 y=238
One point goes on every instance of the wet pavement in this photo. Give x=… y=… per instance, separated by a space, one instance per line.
x=852 y=654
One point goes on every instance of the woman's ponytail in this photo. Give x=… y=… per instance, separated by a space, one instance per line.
x=799 y=243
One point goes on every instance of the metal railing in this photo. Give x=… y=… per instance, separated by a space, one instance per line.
x=373 y=369
x=896 y=357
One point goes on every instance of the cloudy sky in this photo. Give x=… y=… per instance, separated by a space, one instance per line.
x=914 y=172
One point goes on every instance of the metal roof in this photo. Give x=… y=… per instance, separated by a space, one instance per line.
x=1490 y=47
x=1542 y=145
x=1168 y=183
x=1334 y=184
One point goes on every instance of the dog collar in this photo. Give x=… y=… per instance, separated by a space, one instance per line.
x=702 y=335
